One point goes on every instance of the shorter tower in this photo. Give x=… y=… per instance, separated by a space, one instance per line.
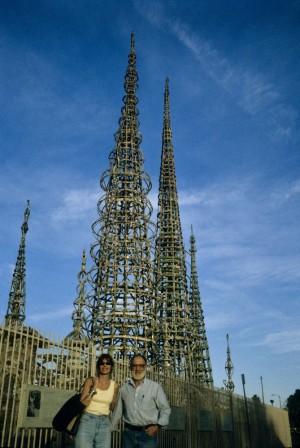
x=17 y=296
x=78 y=315
x=229 y=384
x=202 y=370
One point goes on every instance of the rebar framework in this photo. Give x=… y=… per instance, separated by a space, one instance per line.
x=120 y=303
x=78 y=315
x=202 y=370
x=170 y=278
x=17 y=295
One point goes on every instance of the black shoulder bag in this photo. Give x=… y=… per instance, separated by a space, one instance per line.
x=68 y=417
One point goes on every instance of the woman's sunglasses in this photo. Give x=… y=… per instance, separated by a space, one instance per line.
x=105 y=363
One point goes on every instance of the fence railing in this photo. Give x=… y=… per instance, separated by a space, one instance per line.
x=37 y=373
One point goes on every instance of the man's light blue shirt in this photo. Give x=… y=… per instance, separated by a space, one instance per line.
x=143 y=405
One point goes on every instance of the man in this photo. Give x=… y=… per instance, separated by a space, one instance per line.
x=144 y=407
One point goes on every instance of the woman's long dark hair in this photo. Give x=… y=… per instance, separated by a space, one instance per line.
x=103 y=357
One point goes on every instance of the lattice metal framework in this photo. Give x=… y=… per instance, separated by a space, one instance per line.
x=173 y=328
x=78 y=315
x=17 y=295
x=229 y=384
x=120 y=303
x=202 y=370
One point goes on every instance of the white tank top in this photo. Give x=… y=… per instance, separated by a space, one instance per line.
x=99 y=404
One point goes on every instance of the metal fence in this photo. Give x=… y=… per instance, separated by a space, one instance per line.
x=38 y=373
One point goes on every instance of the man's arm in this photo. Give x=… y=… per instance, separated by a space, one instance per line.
x=164 y=412
x=117 y=412
x=163 y=407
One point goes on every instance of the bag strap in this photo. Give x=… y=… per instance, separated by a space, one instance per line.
x=91 y=387
x=94 y=381
x=80 y=389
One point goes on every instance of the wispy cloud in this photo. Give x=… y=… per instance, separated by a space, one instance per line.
x=285 y=192
x=252 y=91
x=50 y=315
x=282 y=342
x=221 y=321
x=232 y=192
x=242 y=238
x=75 y=204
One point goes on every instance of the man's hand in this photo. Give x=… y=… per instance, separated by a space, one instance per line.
x=152 y=430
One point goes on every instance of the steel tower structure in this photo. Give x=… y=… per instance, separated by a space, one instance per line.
x=17 y=295
x=120 y=316
x=78 y=315
x=202 y=370
x=173 y=326
x=229 y=384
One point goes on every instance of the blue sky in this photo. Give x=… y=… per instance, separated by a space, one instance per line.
x=234 y=91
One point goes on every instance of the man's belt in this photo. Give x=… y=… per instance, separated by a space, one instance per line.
x=136 y=428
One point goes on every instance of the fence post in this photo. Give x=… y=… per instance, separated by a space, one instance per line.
x=247 y=411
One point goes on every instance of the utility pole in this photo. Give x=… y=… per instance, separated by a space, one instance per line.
x=247 y=410
x=262 y=390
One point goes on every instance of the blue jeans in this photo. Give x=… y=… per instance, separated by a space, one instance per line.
x=94 y=431
x=137 y=439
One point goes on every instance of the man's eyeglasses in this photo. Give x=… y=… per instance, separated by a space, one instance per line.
x=135 y=366
x=105 y=363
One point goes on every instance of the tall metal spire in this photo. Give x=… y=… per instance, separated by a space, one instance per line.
x=17 y=295
x=202 y=366
x=170 y=278
x=229 y=384
x=78 y=315
x=120 y=303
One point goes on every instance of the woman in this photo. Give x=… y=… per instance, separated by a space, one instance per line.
x=99 y=395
